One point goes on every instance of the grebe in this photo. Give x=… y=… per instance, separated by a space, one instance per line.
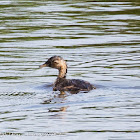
x=63 y=84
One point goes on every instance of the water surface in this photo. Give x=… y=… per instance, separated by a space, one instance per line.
x=101 y=43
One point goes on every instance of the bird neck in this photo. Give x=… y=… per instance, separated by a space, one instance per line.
x=62 y=72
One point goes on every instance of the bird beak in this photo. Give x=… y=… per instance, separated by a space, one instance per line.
x=44 y=65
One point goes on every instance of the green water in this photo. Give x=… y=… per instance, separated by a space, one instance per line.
x=101 y=43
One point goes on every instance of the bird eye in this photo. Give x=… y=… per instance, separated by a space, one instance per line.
x=55 y=62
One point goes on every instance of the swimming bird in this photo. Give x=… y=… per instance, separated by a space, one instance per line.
x=63 y=84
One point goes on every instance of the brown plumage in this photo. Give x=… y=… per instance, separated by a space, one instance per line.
x=63 y=84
